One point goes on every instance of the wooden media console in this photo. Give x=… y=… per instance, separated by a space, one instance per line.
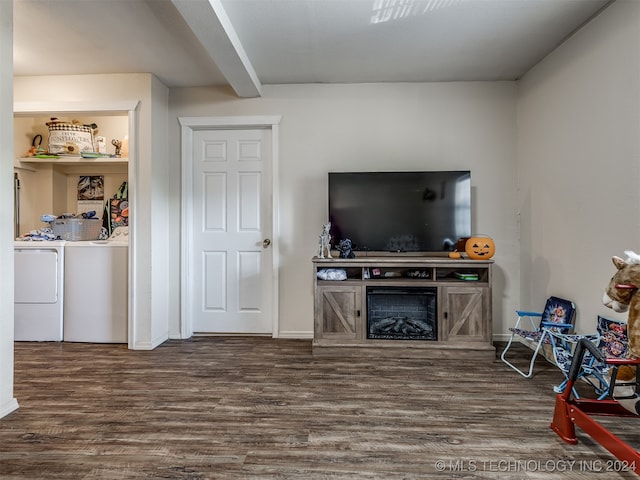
x=454 y=296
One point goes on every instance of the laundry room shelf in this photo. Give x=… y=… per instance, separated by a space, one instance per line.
x=75 y=160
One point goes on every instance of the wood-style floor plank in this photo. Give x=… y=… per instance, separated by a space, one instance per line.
x=260 y=408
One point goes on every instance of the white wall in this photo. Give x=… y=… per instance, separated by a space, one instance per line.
x=7 y=402
x=161 y=198
x=438 y=126
x=579 y=163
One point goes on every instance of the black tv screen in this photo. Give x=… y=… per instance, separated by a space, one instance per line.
x=400 y=211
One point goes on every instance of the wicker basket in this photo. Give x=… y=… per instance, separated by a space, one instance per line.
x=69 y=138
x=77 y=229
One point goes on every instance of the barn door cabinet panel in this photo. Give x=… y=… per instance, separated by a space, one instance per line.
x=465 y=314
x=461 y=319
x=339 y=308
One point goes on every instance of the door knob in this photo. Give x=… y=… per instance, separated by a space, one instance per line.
x=266 y=242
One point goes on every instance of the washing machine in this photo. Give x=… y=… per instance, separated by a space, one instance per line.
x=97 y=290
x=38 y=290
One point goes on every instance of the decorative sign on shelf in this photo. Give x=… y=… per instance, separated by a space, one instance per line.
x=69 y=138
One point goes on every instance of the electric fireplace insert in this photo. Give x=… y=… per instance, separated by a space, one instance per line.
x=402 y=313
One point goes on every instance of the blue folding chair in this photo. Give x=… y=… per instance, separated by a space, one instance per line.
x=611 y=340
x=557 y=317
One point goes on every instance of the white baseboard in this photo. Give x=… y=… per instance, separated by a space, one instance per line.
x=152 y=344
x=8 y=407
x=299 y=334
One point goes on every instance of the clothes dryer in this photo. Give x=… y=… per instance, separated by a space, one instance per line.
x=38 y=290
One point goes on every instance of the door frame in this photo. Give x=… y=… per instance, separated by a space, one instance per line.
x=188 y=126
x=130 y=109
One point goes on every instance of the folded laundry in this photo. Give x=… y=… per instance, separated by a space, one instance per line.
x=48 y=218
x=44 y=234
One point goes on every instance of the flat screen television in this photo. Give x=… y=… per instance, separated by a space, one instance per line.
x=400 y=211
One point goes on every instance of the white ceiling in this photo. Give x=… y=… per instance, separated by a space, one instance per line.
x=250 y=43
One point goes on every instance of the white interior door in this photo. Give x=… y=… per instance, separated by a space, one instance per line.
x=230 y=253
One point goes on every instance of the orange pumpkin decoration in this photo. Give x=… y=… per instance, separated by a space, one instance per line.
x=480 y=248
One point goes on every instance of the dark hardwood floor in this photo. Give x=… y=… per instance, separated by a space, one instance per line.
x=259 y=408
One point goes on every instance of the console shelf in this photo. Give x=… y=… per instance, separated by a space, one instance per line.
x=463 y=306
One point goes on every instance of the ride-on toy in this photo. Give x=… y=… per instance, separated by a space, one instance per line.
x=623 y=398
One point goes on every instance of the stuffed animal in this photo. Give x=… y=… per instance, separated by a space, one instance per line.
x=620 y=296
x=324 y=245
x=345 y=248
